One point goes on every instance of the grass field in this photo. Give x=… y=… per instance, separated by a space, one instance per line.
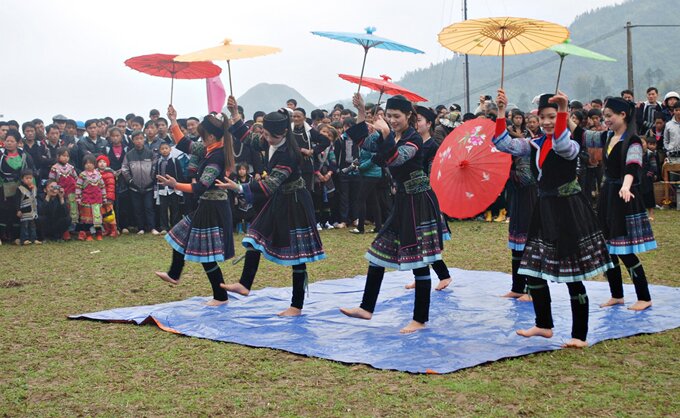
x=51 y=366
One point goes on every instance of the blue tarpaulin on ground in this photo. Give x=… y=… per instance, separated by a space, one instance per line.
x=469 y=323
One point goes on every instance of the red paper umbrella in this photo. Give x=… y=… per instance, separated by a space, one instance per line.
x=384 y=86
x=468 y=172
x=162 y=65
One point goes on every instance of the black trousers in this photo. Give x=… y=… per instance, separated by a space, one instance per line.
x=540 y=296
x=637 y=274
x=421 y=307
x=169 y=211
x=212 y=270
x=368 y=197
x=519 y=281
x=251 y=264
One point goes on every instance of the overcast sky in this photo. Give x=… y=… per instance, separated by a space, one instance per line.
x=67 y=56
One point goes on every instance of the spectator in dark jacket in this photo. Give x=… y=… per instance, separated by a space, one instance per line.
x=139 y=173
x=90 y=144
x=53 y=213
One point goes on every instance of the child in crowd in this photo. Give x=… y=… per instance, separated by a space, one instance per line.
x=53 y=213
x=242 y=210
x=108 y=211
x=168 y=198
x=324 y=191
x=650 y=174
x=139 y=173
x=90 y=195
x=66 y=177
x=116 y=154
x=26 y=200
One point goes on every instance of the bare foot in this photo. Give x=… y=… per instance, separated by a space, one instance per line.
x=411 y=285
x=640 y=305
x=291 y=312
x=164 y=276
x=513 y=295
x=443 y=284
x=357 y=313
x=535 y=332
x=525 y=298
x=412 y=326
x=235 y=288
x=575 y=343
x=612 y=302
x=215 y=302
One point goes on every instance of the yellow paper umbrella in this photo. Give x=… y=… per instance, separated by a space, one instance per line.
x=228 y=51
x=502 y=36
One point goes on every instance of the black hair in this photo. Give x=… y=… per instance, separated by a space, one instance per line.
x=242 y=164
x=129 y=116
x=115 y=129
x=349 y=122
x=119 y=120
x=652 y=89
x=182 y=123
x=468 y=116
x=580 y=115
x=51 y=126
x=63 y=150
x=627 y=91
x=338 y=125
x=595 y=112
x=301 y=110
x=338 y=106
x=3 y=123
x=439 y=108
x=317 y=114
x=138 y=119
x=516 y=112
x=14 y=133
x=13 y=123
x=89 y=158
x=659 y=115
x=37 y=121
x=163 y=143
x=676 y=105
x=27 y=125
x=258 y=114
x=108 y=120
x=90 y=122
x=153 y=112
x=25 y=173
x=161 y=119
x=193 y=118
x=596 y=101
x=292 y=101
x=149 y=123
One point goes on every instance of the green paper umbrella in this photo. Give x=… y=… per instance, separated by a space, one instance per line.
x=567 y=48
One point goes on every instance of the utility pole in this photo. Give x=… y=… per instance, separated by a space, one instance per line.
x=629 y=55
x=466 y=87
x=629 y=47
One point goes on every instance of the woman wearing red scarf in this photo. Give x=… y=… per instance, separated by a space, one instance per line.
x=564 y=242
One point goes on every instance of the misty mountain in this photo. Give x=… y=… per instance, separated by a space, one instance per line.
x=270 y=97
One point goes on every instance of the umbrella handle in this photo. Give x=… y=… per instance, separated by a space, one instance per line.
x=172 y=87
x=231 y=90
x=502 y=63
x=559 y=73
x=375 y=108
x=361 y=77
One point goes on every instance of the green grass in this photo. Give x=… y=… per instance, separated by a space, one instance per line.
x=51 y=366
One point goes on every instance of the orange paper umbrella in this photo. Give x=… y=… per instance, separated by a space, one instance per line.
x=383 y=85
x=502 y=36
x=468 y=172
x=228 y=52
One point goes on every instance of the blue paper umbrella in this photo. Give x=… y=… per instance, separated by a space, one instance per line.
x=367 y=41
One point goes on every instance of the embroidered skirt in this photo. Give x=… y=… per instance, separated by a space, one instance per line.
x=521 y=204
x=284 y=230
x=412 y=236
x=564 y=241
x=90 y=214
x=625 y=225
x=205 y=235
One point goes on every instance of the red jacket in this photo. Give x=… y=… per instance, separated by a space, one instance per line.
x=109 y=184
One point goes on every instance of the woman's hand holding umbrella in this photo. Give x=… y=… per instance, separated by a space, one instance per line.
x=232 y=106
x=358 y=102
x=501 y=101
x=172 y=114
x=561 y=100
x=380 y=125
